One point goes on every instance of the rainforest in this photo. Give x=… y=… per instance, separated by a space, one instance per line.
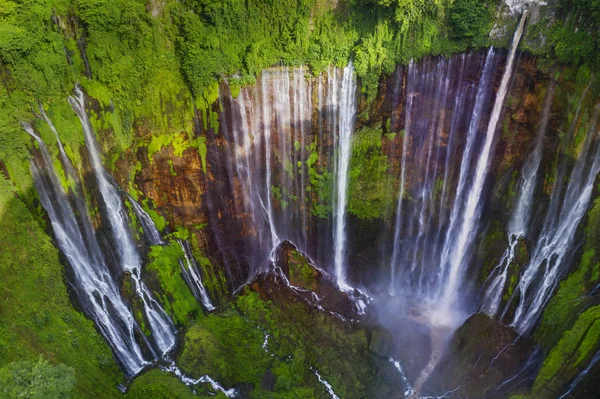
x=300 y=199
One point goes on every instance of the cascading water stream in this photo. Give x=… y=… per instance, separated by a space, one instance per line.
x=191 y=274
x=399 y=213
x=519 y=223
x=95 y=287
x=205 y=379
x=162 y=328
x=346 y=115
x=456 y=257
x=548 y=263
x=584 y=373
x=266 y=120
x=150 y=230
x=70 y=171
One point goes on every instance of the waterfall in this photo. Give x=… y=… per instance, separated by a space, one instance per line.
x=270 y=144
x=326 y=384
x=96 y=289
x=150 y=230
x=519 y=222
x=191 y=275
x=163 y=331
x=266 y=119
x=432 y=128
x=456 y=257
x=549 y=257
x=406 y=135
x=346 y=114
x=520 y=219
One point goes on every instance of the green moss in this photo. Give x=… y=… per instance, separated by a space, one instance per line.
x=570 y=296
x=493 y=242
x=174 y=293
x=200 y=144
x=213 y=277
x=589 y=342
x=300 y=272
x=159 y=221
x=214 y=121
x=209 y=96
x=565 y=302
x=157 y=384
x=178 y=141
x=226 y=347
x=321 y=183
x=313 y=339
x=182 y=233
x=171 y=170
x=575 y=345
x=370 y=191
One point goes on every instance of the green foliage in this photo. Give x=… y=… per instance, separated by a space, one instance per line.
x=39 y=380
x=300 y=272
x=470 y=19
x=321 y=183
x=569 y=33
x=159 y=221
x=237 y=36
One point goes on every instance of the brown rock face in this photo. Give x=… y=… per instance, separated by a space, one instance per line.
x=176 y=184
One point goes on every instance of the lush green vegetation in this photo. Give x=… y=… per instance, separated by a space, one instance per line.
x=156 y=384
x=144 y=63
x=226 y=347
x=36 y=315
x=149 y=66
x=302 y=338
x=39 y=379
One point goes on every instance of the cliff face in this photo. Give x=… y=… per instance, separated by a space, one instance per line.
x=228 y=171
x=193 y=190
x=211 y=180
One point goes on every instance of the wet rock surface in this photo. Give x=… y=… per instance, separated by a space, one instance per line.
x=481 y=355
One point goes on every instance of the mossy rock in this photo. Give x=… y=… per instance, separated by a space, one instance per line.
x=303 y=274
x=381 y=342
x=228 y=348
x=307 y=338
x=157 y=384
x=297 y=267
